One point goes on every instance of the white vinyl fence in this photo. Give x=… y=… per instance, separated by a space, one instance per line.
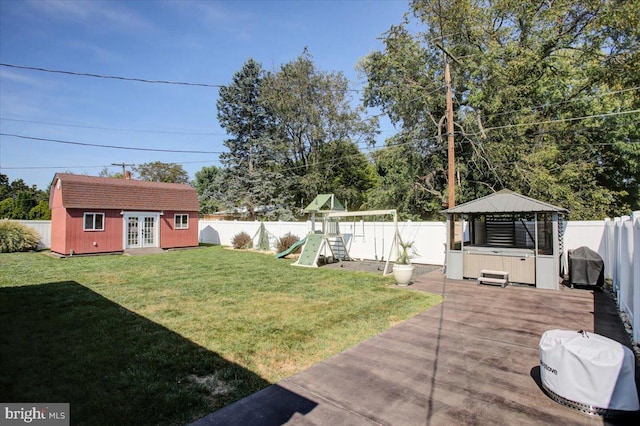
x=43 y=228
x=364 y=240
x=621 y=242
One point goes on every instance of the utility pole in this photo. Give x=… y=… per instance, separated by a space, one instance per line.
x=123 y=165
x=451 y=153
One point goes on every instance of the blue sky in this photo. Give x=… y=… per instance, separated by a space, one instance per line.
x=184 y=41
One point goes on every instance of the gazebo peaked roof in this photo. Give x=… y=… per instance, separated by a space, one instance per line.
x=505 y=201
x=324 y=203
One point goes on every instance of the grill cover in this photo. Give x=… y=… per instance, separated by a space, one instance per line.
x=588 y=369
x=586 y=267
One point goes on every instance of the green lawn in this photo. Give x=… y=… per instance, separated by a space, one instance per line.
x=168 y=338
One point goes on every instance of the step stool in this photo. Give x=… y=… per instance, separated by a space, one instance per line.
x=487 y=276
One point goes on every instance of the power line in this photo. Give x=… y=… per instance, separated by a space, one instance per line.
x=615 y=92
x=366 y=118
x=291 y=168
x=136 y=79
x=113 y=77
x=110 y=146
x=113 y=128
x=142 y=80
x=95 y=166
x=221 y=152
x=50 y=167
x=562 y=120
x=375 y=148
x=372 y=149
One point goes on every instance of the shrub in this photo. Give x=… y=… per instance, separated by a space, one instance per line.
x=287 y=241
x=242 y=241
x=15 y=236
x=263 y=238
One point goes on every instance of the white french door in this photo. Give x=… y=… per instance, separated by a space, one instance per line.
x=141 y=230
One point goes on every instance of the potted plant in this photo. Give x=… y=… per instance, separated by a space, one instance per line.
x=402 y=268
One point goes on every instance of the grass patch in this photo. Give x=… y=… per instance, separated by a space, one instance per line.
x=168 y=338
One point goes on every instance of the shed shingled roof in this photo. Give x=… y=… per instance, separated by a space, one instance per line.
x=505 y=201
x=92 y=192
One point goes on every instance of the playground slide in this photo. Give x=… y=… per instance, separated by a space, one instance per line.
x=291 y=249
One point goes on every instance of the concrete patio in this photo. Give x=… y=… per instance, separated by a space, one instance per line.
x=470 y=360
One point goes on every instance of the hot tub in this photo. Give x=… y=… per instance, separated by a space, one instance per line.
x=520 y=263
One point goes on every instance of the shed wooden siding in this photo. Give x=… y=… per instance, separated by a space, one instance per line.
x=176 y=238
x=81 y=241
x=58 y=221
x=67 y=228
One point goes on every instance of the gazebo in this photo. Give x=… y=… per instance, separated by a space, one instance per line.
x=506 y=232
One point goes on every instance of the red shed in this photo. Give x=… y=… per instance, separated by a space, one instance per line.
x=92 y=214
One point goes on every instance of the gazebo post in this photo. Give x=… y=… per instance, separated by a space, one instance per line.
x=454 y=265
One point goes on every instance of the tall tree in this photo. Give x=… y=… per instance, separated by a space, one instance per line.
x=319 y=130
x=206 y=185
x=251 y=178
x=158 y=171
x=544 y=95
x=406 y=85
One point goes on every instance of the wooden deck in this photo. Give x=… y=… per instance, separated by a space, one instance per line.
x=472 y=360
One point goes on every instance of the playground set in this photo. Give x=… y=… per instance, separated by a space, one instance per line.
x=327 y=242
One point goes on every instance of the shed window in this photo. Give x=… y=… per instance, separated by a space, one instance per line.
x=181 y=221
x=94 y=221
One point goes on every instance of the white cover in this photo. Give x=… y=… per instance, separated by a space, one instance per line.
x=588 y=368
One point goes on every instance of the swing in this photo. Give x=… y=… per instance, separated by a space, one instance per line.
x=375 y=214
x=375 y=240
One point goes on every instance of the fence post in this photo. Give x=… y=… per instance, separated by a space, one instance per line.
x=607 y=241
x=635 y=279
x=625 y=273
x=617 y=226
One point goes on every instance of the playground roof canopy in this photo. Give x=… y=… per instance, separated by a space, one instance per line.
x=324 y=203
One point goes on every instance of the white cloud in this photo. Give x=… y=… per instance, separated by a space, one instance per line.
x=61 y=9
x=6 y=74
x=98 y=15
x=211 y=12
x=17 y=105
x=100 y=53
x=226 y=17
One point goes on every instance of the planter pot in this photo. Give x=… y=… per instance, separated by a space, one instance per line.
x=402 y=273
